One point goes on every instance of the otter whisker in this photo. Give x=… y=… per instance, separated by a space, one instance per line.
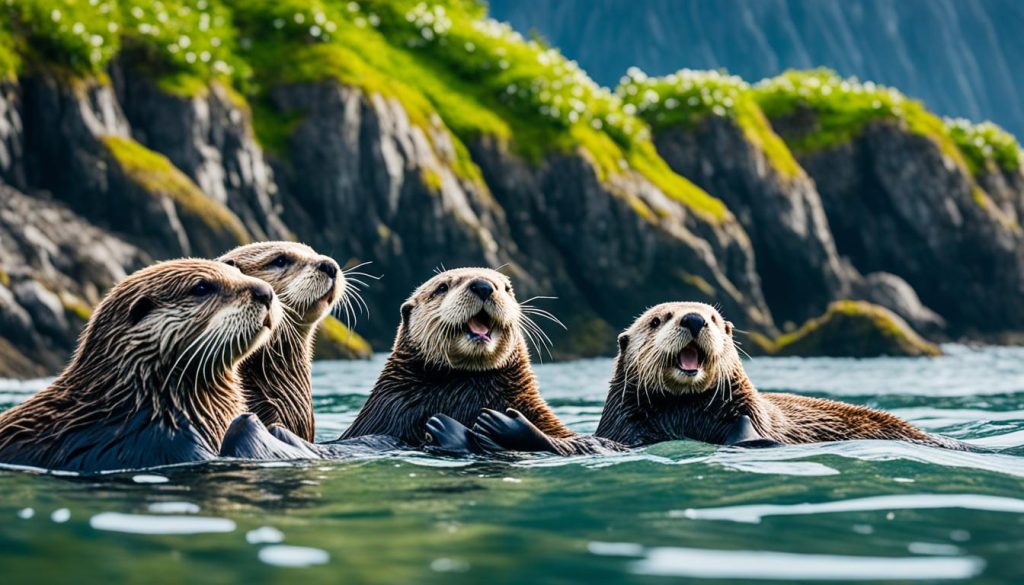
x=545 y=314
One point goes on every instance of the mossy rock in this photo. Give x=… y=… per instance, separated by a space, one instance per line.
x=210 y=225
x=335 y=341
x=854 y=329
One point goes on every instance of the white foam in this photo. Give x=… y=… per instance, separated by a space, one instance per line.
x=755 y=513
x=763 y=565
x=283 y=555
x=160 y=524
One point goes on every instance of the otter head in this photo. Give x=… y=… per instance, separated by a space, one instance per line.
x=308 y=284
x=174 y=321
x=684 y=348
x=466 y=319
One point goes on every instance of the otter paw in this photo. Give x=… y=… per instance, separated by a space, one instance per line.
x=447 y=436
x=512 y=431
x=743 y=434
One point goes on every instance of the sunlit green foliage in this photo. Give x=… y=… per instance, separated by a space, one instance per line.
x=687 y=97
x=984 y=144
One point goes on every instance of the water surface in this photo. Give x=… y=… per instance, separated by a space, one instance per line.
x=864 y=511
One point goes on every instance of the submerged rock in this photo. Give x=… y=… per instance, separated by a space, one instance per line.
x=854 y=329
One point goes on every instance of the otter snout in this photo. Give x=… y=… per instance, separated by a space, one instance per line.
x=328 y=267
x=481 y=288
x=262 y=294
x=693 y=322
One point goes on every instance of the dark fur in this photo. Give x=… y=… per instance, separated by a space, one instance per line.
x=127 y=400
x=408 y=392
x=635 y=418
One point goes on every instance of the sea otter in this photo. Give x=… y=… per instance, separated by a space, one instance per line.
x=460 y=348
x=151 y=381
x=678 y=376
x=276 y=377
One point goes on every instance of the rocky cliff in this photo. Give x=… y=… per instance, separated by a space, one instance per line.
x=424 y=136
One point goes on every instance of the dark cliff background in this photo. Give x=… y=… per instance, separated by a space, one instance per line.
x=961 y=57
x=424 y=134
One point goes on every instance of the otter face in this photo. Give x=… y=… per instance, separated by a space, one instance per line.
x=681 y=347
x=308 y=284
x=466 y=318
x=181 y=319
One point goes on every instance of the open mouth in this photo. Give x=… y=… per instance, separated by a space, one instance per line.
x=479 y=326
x=691 y=358
x=328 y=298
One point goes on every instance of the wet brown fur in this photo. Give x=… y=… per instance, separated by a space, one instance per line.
x=647 y=403
x=432 y=371
x=276 y=378
x=151 y=381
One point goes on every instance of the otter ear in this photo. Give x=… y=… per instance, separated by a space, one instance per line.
x=140 y=308
x=230 y=262
x=623 y=341
x=728 y=327
x=407 y=310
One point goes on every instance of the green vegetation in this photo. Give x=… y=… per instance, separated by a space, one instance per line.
x=687 y=97
x=443 y=61
x=156 y=175
x=76 y=306
x=843 y=107
x=336 y=341
x=985 y=146
x=852 y=329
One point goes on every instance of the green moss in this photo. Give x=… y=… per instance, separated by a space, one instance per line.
x=854 y=329
x=155 y=174
x=274 y=128
x=76 y=307
x=843 y=107
x=986 y=147
x=431 y=179
x=686 y=97
x=336 y=341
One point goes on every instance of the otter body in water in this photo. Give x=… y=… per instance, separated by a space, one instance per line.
x=460 y=348
x=151 y=381
x=276 y=377
x=678 y=376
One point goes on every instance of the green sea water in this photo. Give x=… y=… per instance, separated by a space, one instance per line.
x=863 y=511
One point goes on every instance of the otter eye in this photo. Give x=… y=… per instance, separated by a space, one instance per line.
x=655 y=322
x=281 y=261
x=441 y=289
x=202 y=289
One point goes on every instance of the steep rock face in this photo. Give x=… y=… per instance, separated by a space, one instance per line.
x=361 y=181
x=897 y=204
x=54 y=266
x=208 y=137
x=78 y=128
x=12 y=136
x=783 y=215
x=623 y=243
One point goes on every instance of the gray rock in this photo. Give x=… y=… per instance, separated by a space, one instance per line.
x=893 y=293
x=361 y=182
x=897 y=204
x=796 y=257
x=52 y=259
x=210 y=138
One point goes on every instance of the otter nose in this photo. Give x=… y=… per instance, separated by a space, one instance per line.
x=262 y=294
x=481 y=288
x=693 y=322
x=328 y=267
